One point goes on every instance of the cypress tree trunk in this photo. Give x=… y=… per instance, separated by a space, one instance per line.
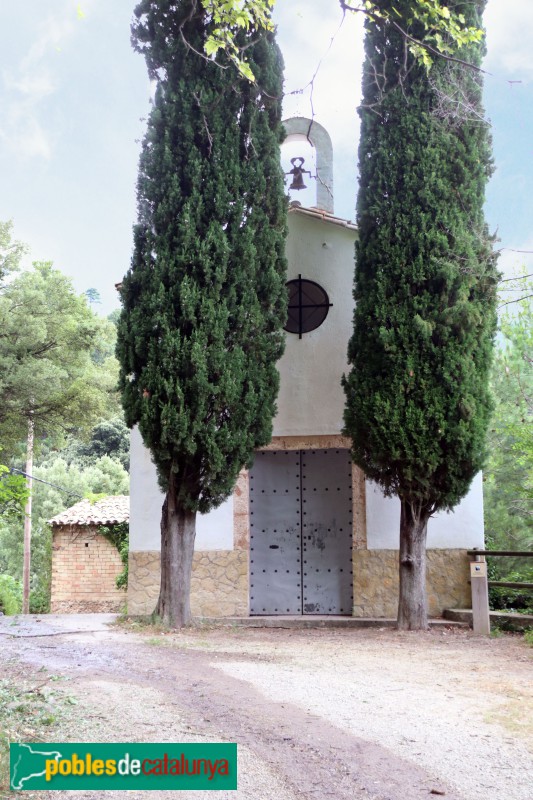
x=178 y=530
x=412 y=605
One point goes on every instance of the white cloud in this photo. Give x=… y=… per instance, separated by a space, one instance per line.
x=509 y=25
x=32 y=141
x=35 y=86
x=31 y=81
x=55 y=31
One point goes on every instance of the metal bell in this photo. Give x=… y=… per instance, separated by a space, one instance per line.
x=297 y=172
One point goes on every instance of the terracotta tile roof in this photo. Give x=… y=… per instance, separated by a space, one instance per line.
x=107 y=511
x=318 y=213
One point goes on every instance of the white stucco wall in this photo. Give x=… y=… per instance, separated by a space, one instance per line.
x=214 y=531
x=462 y=528
x=310 y=402
x=311 y=399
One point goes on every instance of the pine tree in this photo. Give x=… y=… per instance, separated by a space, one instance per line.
x=418 y=404
x=204 y=301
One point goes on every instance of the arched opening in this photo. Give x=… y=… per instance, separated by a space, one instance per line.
x=297 y=146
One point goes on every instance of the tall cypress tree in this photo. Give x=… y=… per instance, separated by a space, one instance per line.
x=418 y=403
x=204 y=301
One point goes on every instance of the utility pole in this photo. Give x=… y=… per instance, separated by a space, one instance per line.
x=27 y=521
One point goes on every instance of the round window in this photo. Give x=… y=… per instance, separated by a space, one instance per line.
x=308 y=306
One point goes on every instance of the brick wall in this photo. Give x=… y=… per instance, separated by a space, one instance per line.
x=84 y=568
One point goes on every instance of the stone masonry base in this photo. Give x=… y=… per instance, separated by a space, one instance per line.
x=219 y=586
x=376 y=582
x=89 y=606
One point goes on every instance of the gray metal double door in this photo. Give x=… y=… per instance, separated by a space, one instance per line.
x=301 y=532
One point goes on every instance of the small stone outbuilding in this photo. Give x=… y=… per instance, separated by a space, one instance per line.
x=85 y=564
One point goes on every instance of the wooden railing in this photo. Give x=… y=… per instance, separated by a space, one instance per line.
x=510 y=553
x=480 y=584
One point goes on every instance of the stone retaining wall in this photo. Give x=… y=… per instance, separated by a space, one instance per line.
x=376 y=582
x=144 y=576
x=219 y=585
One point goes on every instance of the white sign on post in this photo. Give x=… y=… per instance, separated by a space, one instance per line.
x=480 y=597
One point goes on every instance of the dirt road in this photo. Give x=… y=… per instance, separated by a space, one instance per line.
x=358 y=714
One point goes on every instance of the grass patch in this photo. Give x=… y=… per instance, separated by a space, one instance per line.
x=32 y=707
x=157 y=641
x=516 y=716
x=147 y=624
x=152 y=623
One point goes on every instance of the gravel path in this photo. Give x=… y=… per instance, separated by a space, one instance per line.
x=429 y=702
x=356 y=714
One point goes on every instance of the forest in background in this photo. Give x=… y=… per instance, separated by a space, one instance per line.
x=58 y=371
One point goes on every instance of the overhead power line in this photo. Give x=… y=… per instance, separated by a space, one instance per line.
x=54 y=485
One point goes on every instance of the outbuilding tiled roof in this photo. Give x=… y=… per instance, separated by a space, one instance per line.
x=108 y=511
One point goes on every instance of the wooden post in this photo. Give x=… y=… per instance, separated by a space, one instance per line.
x=480 y=596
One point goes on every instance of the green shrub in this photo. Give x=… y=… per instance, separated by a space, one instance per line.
x=504 y=599
x=10 y=595
x=122 y=579
x=40 y=600
x=118 y=535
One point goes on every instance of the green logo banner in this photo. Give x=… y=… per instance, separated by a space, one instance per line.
x=36 y=765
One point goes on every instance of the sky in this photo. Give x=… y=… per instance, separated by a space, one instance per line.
x=74 y=98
